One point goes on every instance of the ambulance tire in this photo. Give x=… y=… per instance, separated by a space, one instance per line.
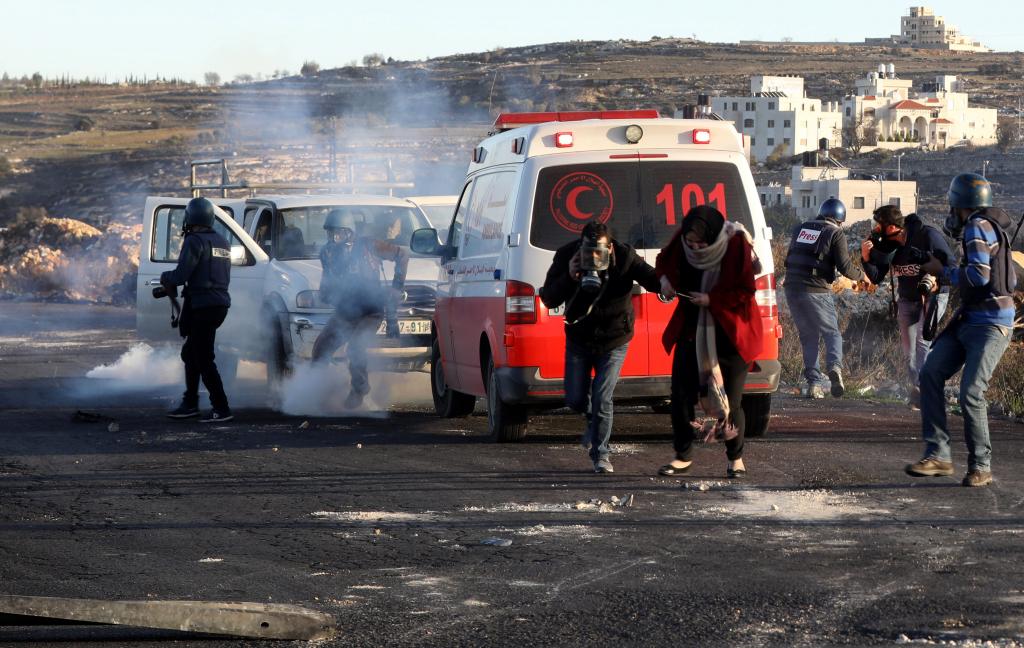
x=757 y=411
x=448 y=403
x=507 y=423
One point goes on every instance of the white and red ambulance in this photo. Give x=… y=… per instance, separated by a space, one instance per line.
x=530 y=188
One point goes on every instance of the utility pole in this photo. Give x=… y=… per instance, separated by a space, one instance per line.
x=984 y=169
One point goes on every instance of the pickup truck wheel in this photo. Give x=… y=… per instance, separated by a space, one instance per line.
x=757 y=410
x=277 y=359
x=448 y=403
x=507 y=423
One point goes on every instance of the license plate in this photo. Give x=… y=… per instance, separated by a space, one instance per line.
x=558 y=311
x=407 y=327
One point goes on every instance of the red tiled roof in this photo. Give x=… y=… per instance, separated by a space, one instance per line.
x=869 y=97
x=907 y=104
x=932 y=100
x=941 y=120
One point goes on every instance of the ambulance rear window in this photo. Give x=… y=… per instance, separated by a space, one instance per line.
x=642 y=201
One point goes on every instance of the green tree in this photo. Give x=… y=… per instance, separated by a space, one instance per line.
x=37 y=80
x=373 y=60
x=212 y=79
x=309 y=69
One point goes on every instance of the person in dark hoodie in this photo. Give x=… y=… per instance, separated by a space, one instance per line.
x=716 y=331
x=900 y=245
x=594 y=278
x=978 y=334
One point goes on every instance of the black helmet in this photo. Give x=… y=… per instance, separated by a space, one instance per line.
x=969 y=191
x=340 y=219
x=198 y=212
x=832 y=209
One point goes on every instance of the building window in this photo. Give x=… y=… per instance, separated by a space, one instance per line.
x=805 y=201
x=771 y=105
x=735 y=106
x=786 y=123
x=858 y=202
x=785 y=140
x=771 y=123
x=748 y=123
x=894 y=201
x=848 y=113
x=803 y=141
x=764 y=199
x=752 y=141
x=771 y=141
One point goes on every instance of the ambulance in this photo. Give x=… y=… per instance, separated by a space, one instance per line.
x=530 y=188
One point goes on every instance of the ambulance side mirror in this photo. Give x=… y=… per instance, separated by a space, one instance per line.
x=425 y=241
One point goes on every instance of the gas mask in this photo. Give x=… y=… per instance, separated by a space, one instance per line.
x=595 y=258
x=342 y=236
x=883 y=243
x=954 y=226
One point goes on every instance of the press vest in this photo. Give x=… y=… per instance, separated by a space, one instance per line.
x=810 y=251
x=208 y=284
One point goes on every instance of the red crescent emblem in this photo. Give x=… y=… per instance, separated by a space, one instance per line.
x=581 y=187
x=570 y=203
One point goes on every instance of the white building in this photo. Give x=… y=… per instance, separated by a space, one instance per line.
x=811 y=186
x=777 y=113
x=922 y=28
x=937 y=115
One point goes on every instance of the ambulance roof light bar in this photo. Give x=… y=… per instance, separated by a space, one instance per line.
x=508 y=121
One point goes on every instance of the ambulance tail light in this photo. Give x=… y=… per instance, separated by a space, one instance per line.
x=520 y=303
x=701 y=136
x=563 y=140
x=764 y=295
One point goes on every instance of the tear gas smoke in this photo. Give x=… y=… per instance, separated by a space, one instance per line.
x=142 y=367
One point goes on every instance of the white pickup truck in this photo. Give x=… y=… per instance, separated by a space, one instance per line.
x=276 y=314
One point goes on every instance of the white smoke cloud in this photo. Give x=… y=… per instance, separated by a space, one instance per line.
x=141 y=368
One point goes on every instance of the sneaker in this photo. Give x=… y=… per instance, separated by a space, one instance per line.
x=183 y=411
x=975 y=478
x=603 y=466
x=218 y=416
x=353 y=400
x=930 y=467
x=836 y=376
x=812 y=390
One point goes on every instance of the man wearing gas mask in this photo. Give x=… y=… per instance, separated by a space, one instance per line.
x=900 y=245
x=817 y=251
x=594 y=278
x=978 y=334
x=204 y=268
x=351 y=283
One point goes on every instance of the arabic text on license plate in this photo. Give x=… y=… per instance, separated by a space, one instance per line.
x=407 y=327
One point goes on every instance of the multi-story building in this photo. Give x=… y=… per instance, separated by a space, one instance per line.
x=922 y=28
x=778 y=116
x=936 y=115
x=812 y=185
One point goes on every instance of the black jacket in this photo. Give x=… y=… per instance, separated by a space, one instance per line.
x=204 y=267
x=609 y=324
x=921 y=236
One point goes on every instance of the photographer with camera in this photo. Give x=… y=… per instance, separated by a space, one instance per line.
x=976 y=337
x=594 y=278
x=900 y=245
x=817 y=251
x=351 y=283
x=204 y=268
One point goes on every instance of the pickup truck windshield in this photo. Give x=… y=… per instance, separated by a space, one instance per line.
x=643 y=202
x=302 y=231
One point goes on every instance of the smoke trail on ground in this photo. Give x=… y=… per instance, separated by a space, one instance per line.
x=321 y=389
x=140 y=368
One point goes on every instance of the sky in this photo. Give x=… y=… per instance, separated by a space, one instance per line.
x=187 y=38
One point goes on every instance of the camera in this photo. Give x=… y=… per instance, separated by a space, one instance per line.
x=590 y=281
x=926 y=285
x=159 y=292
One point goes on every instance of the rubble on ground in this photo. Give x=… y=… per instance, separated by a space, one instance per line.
x=68 y=260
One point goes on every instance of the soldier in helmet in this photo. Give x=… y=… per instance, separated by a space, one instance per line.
x=351 y=283
x=978 y=335
x=817 y=251
x=204 y=268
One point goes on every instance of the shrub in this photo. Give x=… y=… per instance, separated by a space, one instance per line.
x=5 y=166
x=1007 y=386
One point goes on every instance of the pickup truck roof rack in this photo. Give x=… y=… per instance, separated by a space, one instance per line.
x=225 y=184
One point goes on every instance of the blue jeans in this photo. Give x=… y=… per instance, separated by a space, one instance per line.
x=593 y=397
x=815 y=317
x=976 y=348
x=915 y=348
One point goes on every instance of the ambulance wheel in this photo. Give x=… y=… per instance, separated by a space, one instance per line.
x=757 y=411
x=448 y=403
x=507 y=423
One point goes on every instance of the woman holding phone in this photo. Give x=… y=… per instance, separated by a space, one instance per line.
x=715 y=332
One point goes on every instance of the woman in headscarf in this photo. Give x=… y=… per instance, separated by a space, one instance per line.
x=716 y=331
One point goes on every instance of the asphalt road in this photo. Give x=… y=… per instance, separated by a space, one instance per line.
x=381 y=521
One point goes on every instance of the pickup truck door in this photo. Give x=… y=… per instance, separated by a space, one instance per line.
x=159 y=249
